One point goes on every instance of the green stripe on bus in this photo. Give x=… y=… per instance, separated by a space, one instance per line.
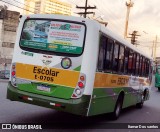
x=77 y=68
x=57 y=47
x=104 y=99
x=74 y=106
x=55 y=91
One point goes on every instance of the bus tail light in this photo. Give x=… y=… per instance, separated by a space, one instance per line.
x=82 y=78
x=80 y=85
x=78 y=91
x=13 y=75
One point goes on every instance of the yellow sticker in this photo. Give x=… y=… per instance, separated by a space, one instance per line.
x=48 y=75
x=110 y=80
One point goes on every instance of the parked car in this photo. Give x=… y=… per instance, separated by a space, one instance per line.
x=4 y=74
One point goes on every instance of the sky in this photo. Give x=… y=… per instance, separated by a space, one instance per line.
x=144 y=18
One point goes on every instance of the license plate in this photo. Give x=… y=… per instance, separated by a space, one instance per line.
x=43 y=88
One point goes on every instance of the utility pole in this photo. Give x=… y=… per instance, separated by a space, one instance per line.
x=155 y=48
x=85 y=9
x=129 y=5
x=152 y=49
x=134 y=37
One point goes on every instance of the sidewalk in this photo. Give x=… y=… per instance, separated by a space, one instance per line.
x=4 y=80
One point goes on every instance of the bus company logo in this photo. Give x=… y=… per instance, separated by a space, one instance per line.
x=6 y=126
x=65 y=27
x=66 y=63
x=46 y=61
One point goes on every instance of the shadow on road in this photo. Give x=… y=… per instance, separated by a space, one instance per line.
x=65 y=120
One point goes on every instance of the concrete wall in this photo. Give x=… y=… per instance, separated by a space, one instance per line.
x=9 y=21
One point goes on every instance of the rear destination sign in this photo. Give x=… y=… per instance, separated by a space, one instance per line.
x=45 y=74
x=48 y=75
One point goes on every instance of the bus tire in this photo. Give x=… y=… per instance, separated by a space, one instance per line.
x=140 y=105
x=118 y=108
x=158 y=88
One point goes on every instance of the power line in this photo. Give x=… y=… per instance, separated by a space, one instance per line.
x=134 y=37
x=85 y=9
x=15 y=6
x=110 y=14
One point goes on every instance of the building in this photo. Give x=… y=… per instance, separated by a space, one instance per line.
x=8 y=26
x=29 y=6
x=47 y=7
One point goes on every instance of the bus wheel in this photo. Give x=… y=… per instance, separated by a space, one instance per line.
x=140 y=105
x=118 y=108
x=158 y=88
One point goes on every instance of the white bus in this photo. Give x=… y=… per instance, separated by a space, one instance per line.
x=76 y=65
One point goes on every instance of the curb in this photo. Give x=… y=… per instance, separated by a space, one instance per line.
x=4 y=80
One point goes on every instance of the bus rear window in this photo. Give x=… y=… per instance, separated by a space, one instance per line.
x=53 y=36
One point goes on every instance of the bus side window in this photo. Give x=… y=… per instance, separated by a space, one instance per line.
x=150 y=70
x=140 y=65
x=142 y=73
x=137 y=65
x=101 y=56
x=126 y=55
x=130 y=62
x=147 y=68
x=115 y=58
x=134 y=63
x=109 y=54
x=121 y=59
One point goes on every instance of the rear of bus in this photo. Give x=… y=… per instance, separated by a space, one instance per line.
x=54 y=62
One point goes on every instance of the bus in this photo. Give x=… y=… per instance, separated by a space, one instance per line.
x=76 y=65
x=157 y=77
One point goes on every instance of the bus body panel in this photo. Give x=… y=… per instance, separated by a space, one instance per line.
x=107 y=88
x=74 y=106
x=89 y=62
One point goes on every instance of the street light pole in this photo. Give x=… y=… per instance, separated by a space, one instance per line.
x=155 y=48
x=129 y=5
x=152 y=49
x=101 y=16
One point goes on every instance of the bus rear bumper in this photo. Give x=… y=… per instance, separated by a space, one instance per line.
x=74 y=106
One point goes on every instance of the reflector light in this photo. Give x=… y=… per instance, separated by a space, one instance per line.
x=13 y=79
x=13 y=67
x=74 y=95
x=13 y=73
x=57 y=105
x=25 y=97
x=82 y=78
x=78 y=91
x=80 y=84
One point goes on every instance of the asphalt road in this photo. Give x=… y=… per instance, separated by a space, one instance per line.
x=17 y=112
